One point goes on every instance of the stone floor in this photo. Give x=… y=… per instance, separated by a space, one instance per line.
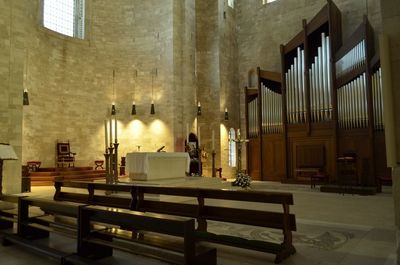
x=331 y=229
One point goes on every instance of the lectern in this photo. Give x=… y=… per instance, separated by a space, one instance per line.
x=6 y=153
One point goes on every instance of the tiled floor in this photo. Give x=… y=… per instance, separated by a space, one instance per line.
x=331 y=229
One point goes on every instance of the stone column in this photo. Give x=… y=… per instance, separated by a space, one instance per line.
x=390 y=60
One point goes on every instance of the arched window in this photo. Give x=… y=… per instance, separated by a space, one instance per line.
x=267 y=1
x=232 y=148
x=65 y=16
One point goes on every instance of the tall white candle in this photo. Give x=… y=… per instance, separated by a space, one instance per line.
x=110 y=130
x=116 y=130
x=105 y=134
x=187 y=133
x=198 y=137
x=213 y=140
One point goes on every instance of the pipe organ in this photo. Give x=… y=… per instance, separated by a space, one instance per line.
x=353 y=104
x=295 y=99
x=271 y=111
x=253 y=118
x=320 y=83
x=377 y=96
x=328 y=97
x=352 y=60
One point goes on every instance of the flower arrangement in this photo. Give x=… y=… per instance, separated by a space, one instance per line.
x=242 y=180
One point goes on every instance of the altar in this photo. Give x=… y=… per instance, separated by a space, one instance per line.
x=156 y=165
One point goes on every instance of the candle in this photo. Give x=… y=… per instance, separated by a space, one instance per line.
x=116 y=131
x=187 y=133
x=105 y=134
x=110 y=130
x=199 y=137
x=213 y=140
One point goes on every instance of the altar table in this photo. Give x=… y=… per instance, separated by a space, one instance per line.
x=156 y=165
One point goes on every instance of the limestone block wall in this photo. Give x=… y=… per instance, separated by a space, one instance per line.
x=15 y=20
x=390 y=25
x=184 y=100
x=262 y=28
x=71 y=82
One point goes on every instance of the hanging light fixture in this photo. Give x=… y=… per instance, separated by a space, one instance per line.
x=113 y=109
x=25 y=96
x=226 y=114
x=198 y=108
x=133 y=112
x=152 y=108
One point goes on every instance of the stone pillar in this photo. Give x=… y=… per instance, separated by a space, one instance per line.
x=390 y=60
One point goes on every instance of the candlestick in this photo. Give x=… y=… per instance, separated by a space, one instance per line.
x=116 y=130
x=213 y=164
x=110 y=130
x=213 y=140
x=187 y=133
x=105 y=134
x=198 y=137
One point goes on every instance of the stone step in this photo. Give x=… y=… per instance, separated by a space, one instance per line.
x=64 y=173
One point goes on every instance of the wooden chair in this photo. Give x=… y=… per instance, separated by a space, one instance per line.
x=64 y=158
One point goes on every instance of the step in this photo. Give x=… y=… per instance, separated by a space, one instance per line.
x=48 y=173
x=80 y=172
x=58 y=169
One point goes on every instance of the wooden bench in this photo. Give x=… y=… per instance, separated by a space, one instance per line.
x=162 y=241
x=201 y=210
x=8 y=210
x=37 y=217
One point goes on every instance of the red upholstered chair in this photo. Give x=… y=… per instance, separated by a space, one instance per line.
x=65 y=158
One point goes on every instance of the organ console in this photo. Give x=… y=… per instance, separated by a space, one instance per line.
x=329 y=96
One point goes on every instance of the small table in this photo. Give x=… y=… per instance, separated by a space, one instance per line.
x=33 y=166
x=99 y=164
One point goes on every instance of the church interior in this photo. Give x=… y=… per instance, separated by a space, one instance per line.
x=199 y=132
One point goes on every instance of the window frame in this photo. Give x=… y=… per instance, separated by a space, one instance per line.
x=80 y=28
x=265 y=2
x=232 y=156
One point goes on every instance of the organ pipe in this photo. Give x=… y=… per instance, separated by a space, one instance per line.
x=271 y=110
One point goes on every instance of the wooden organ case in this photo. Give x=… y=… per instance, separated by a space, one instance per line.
x=326 y=105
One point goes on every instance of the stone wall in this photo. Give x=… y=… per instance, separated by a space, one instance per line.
x=390 y=25
x=15 y=21
x=71 y=82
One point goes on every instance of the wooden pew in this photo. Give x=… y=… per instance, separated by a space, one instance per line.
x=154 y=244
x=57 y=217
x=202 y=211
x=8 y=210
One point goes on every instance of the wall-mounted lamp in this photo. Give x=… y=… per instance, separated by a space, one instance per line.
x=226 y=114
x=113 y=110
x=198 y=108
x=25 y=97
x=133 y=108
x=152 y=109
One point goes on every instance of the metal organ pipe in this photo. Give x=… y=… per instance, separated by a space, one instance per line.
x=271 y=111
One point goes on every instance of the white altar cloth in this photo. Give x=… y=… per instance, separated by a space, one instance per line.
x=156 y=165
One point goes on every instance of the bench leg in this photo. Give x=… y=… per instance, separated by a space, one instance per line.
x=4 y=224
x=209 y=258
x=90 y=249
x=94 y=251
x=285 y=252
